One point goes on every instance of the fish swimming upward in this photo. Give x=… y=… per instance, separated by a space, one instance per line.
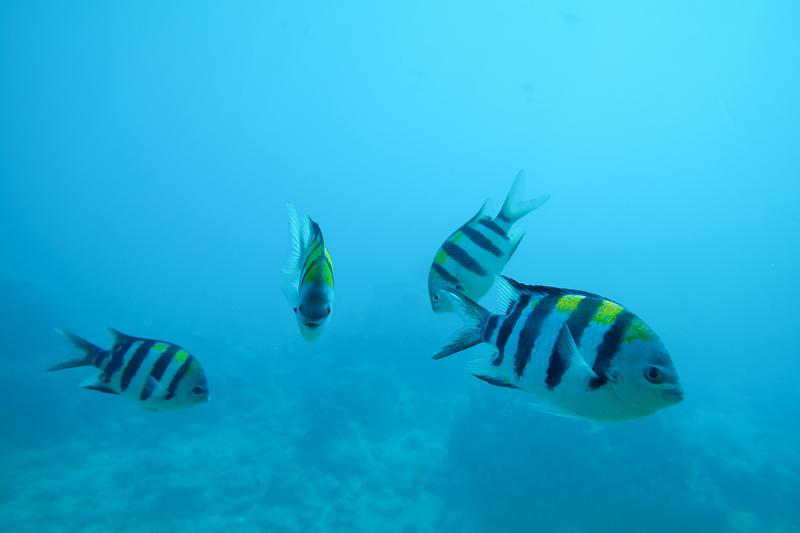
x=470 y=258
x=579 y=354
x=154 y=375
x=308 y=276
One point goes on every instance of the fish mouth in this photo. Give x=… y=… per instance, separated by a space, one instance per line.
x=672 y=395
x=313 y=324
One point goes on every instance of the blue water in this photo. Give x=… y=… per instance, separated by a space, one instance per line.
x=148 y=149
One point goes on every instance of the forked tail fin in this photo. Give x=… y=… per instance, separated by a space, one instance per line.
x=514 y=208
x=88 y=352
x=473 y=315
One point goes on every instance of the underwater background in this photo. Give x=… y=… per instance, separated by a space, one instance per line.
x=147 y=152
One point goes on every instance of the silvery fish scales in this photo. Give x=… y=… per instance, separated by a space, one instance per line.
x=475 y=253
x=154 y=375
x=579 y=354
x=308 y=276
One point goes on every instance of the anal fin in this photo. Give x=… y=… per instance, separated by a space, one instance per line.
x=551 y=409
x=485 y=369
x=94 y=383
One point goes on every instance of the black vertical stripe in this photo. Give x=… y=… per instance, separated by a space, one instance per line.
x=463 y=258
x=176 y=379
x=508 y=325
x=119 y=346
x=163 y=361
x=530 y=332
x=556 y=368
x=135 y=362
x=100 y=358
x=116 y=360
x=316 y=232
x=320 y=259
x=580 y=317
x=315 y=243
x=481 y=241
x=609 y=347
x=159 y=367
x=447 y=276
x=491 y=325
x=493 y=226
x=577 y=322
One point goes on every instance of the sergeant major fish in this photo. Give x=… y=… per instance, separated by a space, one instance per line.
x=579 y=354
x=478 y=251
x=308 y=276
x=155 y=375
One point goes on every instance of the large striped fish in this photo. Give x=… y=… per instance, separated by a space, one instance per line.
x=579 y=354
x=308 y=276
x=155 y=375
x=475 y=253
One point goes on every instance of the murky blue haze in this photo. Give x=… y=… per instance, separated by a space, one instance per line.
x=148 y=149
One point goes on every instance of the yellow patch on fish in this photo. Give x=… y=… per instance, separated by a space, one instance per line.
x=315 y=253
x=159 y=347
x=607 y=312
x=319 y=272
x=568 y=303
x=194 y=367
x=439 y=259
x=638 y=331
x=180 y=356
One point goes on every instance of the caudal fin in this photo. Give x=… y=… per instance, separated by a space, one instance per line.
x=88 y=352
x=473 y=316
x=514 y=208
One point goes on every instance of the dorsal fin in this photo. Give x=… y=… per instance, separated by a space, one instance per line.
x=543 y=290
x=120 y=338
x=509 y=292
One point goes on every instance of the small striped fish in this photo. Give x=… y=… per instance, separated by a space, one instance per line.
x=579 y=354
x=155 y=375
x=308 y=276
x=470 y=258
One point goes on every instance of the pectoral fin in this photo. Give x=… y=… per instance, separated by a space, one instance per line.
x=568 y=351
x=153 y=388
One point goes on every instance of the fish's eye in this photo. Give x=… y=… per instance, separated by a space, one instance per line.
x=199 y=389
x=299 y=309
x=436 y=297
x=653 y=374
x=328 y=311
